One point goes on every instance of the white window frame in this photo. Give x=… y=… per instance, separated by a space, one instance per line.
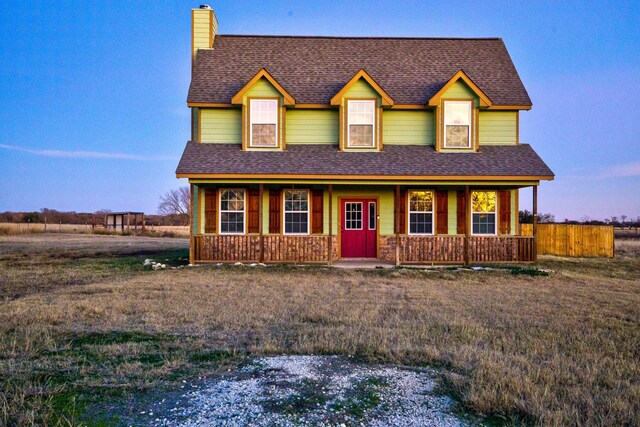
x=494 y=213
x=252 y=122
x=445 y=124
x=432 y=212
x=373 y=122
x=285 y=212
x=244 y=211
x=362 y=212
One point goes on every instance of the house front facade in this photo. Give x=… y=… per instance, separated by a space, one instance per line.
x=317 y=149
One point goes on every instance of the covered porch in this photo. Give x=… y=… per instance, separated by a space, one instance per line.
x=400 y=223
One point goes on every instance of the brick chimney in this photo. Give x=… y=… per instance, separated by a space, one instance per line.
x=204 y=27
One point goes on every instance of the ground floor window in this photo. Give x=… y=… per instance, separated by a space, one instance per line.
x=296 y=211
x=420 y=212
x=232 y=211
x=483 y=212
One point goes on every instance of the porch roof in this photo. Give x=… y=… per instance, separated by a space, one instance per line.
x=419 y=161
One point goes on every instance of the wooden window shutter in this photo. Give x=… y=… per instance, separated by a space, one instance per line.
x=274 y=211
x=401 y=207
x=210 y=210
x=504 y=212
x=253 y=211
x=317 y=208
x=461 y=208
x=442 y=212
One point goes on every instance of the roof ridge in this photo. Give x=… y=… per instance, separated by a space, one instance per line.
x=291 y=36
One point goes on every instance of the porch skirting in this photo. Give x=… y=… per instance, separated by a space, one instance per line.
x=401 y=249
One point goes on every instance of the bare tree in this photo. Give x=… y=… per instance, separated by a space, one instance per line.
x=176 y=204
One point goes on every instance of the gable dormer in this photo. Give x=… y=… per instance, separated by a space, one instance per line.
x=457 y=104
x=360 y=102
x=263 y=102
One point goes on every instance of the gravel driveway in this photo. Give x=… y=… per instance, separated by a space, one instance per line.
x=307 y=391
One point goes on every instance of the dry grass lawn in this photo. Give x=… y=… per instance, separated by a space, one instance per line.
x=83 y=320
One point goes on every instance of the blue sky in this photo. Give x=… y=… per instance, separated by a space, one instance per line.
x=93 y=94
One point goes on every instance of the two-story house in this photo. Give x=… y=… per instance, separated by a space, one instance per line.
x=316 y=149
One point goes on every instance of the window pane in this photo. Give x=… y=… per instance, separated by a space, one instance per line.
x=457 y=136
x=263 y=135
x=353 y=216
x=372 y=216
x=457 y=113
x=232 y=222
x=361 y=112
x=296 y=222
x=483 y=201
x=421 y=223
x=421 y=201
x=264 y=110
x=484 y=223
x=361 y=135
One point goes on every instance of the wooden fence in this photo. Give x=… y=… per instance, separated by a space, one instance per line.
x=573 y=239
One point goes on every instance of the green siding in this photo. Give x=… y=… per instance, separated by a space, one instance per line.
x=195 y=126
x=460 y=90
x=312 y=126
x=265 y=211
x=498 y=127
x=221 y=125
x=196 y=207
x=261 y=89
x=452 y=213
x=361 y=89
x=385 y=208
x=405 y=127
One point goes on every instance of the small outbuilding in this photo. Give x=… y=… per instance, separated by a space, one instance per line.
x=124 y=221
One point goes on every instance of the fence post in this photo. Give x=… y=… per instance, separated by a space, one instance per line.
x=535 y=223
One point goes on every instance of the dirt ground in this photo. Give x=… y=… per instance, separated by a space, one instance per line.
x=84 y=324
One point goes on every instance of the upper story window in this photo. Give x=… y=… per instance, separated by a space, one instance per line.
x=263 y=118
x=420 y=212
x=483 y=212
x=361 y=123
x=296 y=212
x=232 y=211
x=457 y=124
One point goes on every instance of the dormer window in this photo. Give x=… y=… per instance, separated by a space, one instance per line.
x=361 y=123
x=457 y=124
x=263 y=117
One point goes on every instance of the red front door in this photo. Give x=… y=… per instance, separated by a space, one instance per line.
x=358 y=228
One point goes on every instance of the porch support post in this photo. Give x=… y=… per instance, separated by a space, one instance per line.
x=330 y=256
x=191 y=239
x=128 y=221
x=260 y=192
x=467 y=223
x=396 y=222
x=535 y=223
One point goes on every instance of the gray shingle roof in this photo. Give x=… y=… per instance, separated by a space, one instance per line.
x=395 y=160
x=313 y=69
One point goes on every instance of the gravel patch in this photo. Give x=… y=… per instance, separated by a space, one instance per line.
x=307 y=391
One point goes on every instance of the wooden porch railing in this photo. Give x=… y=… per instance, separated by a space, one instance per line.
x=413 y=249
x=277 y=248
x=451 y=249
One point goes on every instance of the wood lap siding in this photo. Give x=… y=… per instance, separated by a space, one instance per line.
x=253 y=208
x=461 y=213
x=504 y=212
x=210 y=210
x=442 y=212
x=317 y=207
x=274 y=211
